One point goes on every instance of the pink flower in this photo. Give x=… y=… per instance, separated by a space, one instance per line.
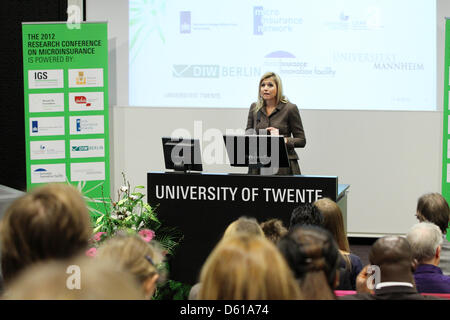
x=98 y=236
x=147 y=234
x=92 y=252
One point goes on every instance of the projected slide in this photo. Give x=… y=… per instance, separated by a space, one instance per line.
x=330 y=54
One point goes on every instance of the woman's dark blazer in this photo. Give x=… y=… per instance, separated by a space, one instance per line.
x=286 y=118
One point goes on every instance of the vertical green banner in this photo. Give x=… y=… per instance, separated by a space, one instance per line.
x=445 y=115
x=65 y=73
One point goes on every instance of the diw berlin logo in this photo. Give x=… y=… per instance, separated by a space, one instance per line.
x=196 y=71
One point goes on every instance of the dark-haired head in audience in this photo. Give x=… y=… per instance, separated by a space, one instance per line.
x=306 y=214
x=50 y=222
x=333 y=221
x=81 y=278
x=273 y=229
x=312 y=254
x=247 y=267
x=246 y=225
x=433 y=207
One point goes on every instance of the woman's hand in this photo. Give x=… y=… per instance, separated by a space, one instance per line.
x=273 y=131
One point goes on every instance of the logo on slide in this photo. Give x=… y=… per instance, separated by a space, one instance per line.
x=196 y=71
x=185 y=22
x=257 y=20
x=78 y=125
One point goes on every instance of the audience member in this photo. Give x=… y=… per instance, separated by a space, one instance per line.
x=425 y=239
x=50 y=222
x=393 y=256
x=313 y=255
x=246 y=267
x=136 y=256
x=273 y=229
x=244 y=224
x=81 y=278
x=433 y=207
x=306 y=214
x=333 y=221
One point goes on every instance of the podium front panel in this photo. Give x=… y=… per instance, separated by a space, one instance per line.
x=202 y=205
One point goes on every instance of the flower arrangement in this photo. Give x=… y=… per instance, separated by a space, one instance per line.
x=131 y=215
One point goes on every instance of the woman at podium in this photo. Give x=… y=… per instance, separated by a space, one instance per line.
x=274 y=114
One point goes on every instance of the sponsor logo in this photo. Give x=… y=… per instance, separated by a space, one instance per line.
x=185 y=22
x=213 y=71
x=86 y=148
x=48 y=173
x=45 y=79
x=87 y=171
x=54 y=149
x=272 y=20
x=81 y=100
x=34 y=126
x=79 y=78
x=86 y=125
x=287 y=63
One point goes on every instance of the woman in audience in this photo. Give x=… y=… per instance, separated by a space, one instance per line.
x=273 y=229
x=312 y=254
x=333 y=221
x=244 y=224
x=81 y=278
x=135 y=256
x=245 y=267
x=50 y=222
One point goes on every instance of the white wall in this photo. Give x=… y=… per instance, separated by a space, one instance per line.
x=388 y=158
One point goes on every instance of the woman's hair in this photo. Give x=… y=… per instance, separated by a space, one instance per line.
x=434 y=208
x=133 y=254
x=50 y=222
x=273 y=229
x=280 y=97
x=82 y=278
x=333 y=221
x=246 y=267
x=312 y=254
x=246 y=225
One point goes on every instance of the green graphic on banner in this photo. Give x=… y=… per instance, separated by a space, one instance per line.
x=446 y=114
x=65 y=73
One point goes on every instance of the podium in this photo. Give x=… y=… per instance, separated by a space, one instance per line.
x=202 y=205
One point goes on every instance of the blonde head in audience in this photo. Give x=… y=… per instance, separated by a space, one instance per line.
x=50 y=222
x=333 y=221
x=246 y=225
x=136 y=256
x=246 y=267
x=82 y=278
